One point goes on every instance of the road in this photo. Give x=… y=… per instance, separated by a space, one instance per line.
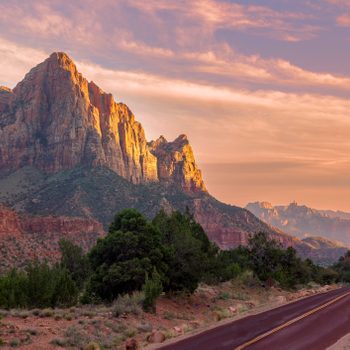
x=317 y=331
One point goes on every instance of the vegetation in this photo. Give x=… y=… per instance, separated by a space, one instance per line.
x=121 y=260
x=188 y=253
x=38 y=286
x=75 y=261
x=152 y=288
x=342 y=267
x=139 y=259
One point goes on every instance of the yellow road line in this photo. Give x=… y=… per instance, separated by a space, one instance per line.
x=284 y=325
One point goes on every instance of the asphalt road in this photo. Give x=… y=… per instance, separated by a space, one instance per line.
x=315 y=332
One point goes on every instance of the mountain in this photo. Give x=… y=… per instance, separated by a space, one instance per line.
x=301 y=221
x=55 y=120
x=68 y=150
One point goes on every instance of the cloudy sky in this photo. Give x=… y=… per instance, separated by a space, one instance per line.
x=261 y=88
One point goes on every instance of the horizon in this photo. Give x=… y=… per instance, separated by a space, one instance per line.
x=266 y=84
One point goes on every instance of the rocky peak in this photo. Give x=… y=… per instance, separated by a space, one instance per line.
x=176 y=163
x=55 y=120
x=156 y=143
x=5 y=97
x=4 y=89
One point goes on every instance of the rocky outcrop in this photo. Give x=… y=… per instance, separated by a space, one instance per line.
x=9 y=222
x=176 y=163
x=26 y=238
x=55 y=120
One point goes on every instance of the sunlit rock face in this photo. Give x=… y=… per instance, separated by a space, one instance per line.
x=55 y=120
x=176 y=163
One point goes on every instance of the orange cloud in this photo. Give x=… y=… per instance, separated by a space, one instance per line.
x=343 y=20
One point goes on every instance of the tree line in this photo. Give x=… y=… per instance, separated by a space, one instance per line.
x=170 y=254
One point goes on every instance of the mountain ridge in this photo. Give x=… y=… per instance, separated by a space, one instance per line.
x=302 y=221
x=54 y=119
x=68 y=149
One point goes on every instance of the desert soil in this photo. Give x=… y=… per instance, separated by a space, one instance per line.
x=176 y=316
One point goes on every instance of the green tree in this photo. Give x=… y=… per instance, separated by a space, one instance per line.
x=13 y=287
x=152 y=289
x=120 y=260
x=66 y=291
x=41 y=284
x=269 y=259
x=188 y=251
x=75 y=261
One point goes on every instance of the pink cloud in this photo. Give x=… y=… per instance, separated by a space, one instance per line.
x=343 y=20
x=218 y=14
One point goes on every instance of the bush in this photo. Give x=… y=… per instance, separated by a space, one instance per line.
x=152 y=289
x=128 y=304
x=74 y=337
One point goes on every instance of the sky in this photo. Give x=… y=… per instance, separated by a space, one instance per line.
x=261 y=88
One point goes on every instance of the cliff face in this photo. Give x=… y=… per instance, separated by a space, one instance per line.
x=176 y=163
x=25 y=238
x=55 y=119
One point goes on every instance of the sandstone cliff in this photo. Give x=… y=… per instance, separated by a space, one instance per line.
x=55 y=120
x=26 y=238
x=176 y=163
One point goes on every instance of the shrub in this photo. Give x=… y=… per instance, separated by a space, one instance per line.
x=58 y=342
x=92 y=346
x=145 y=327
x=74 y=337
x=152 y=289
x=128 y=304
x=46 y=313
x=15 y=342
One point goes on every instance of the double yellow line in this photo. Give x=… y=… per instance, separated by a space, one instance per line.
x=294 y=320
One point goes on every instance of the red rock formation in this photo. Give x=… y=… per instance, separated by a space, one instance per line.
x=24 y=238
x=9 y=222
x=54 y=120
x=176 y=163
